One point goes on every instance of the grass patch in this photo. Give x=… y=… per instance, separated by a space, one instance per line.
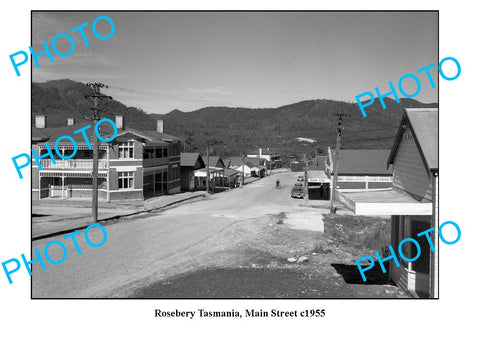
x=318 y=248
x=370 y=232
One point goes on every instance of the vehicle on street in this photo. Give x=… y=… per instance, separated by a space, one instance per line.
x=297 y=191
x=300 y=178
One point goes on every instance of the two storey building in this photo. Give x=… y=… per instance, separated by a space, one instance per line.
x=138 y=164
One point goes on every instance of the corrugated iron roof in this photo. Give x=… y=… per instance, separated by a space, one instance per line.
x=214 y=160
x=190 y=159
x=424 y=125
x=236 y=161
x=105 y=130
x=152 y=138
x=38 y=135
x=230 y=172
x=363 y=162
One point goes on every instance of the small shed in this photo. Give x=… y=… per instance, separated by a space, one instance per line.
x=189 y=162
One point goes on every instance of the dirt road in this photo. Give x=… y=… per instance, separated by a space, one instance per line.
x=257 y=225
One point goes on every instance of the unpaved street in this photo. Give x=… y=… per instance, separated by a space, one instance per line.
x=257 y=226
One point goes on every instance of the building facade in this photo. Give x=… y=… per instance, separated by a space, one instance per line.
x=137 y=164
x=190 y=162
x=268 y=159
x=412 y=202
x=360 y=169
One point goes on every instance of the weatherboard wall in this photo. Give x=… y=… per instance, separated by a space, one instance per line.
x=409 y=172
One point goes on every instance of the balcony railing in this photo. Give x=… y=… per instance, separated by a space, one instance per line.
x=72 y=164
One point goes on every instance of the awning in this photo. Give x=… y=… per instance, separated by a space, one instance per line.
x=317 y=177
x=383 y=202
x=203 y=172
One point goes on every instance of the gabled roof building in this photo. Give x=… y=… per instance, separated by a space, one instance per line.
x=189 y=163
x=360 y=169
x=412 y=202
x=137 y=164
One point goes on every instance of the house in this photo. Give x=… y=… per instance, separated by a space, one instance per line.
x=216 y=177
x=189 y=162
x=231 y=178
x=240 y=164
x=215 y=171
x=222 y=176
x=412 y=202
x=251 y=167
x=268 y=158
x=257 y=171
x=136 y=165
x=360 y=169
x=214 y=161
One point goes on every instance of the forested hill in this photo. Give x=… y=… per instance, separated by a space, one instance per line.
x=235 y=130
x=62 y=99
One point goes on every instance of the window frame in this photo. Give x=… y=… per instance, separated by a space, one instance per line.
x=126 y=177
x=126 y=148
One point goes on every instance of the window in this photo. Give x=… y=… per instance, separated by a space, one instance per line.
x=379 y=178
x=165 y=152
x=148 y=153
x=125 y=150
x=158 y=153
x=125 y=180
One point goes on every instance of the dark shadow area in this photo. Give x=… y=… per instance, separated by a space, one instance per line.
x=256 y=283
x=375 y=276
x=39 y=215
x=232 y=283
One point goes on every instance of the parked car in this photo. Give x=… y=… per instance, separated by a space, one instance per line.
x=297 y=191
x=298 y=184
x=300 y=178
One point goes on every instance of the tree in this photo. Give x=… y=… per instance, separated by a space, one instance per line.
x=190 y=145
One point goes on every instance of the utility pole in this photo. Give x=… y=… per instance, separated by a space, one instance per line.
x=259 y=160
x=305 y=179
x=95 y=118
x=335 y=162
x=208 y=170
x=243 y=170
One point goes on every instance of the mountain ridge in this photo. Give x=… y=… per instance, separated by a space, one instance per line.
x=236 y=130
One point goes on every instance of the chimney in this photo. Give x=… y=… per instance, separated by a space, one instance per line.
x=120 y=122
x=40 y=121
x=160 y=125
x=70 y=121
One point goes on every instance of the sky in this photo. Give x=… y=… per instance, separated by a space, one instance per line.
x=160 y=61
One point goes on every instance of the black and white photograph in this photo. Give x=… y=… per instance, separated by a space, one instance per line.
x=240 y=164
